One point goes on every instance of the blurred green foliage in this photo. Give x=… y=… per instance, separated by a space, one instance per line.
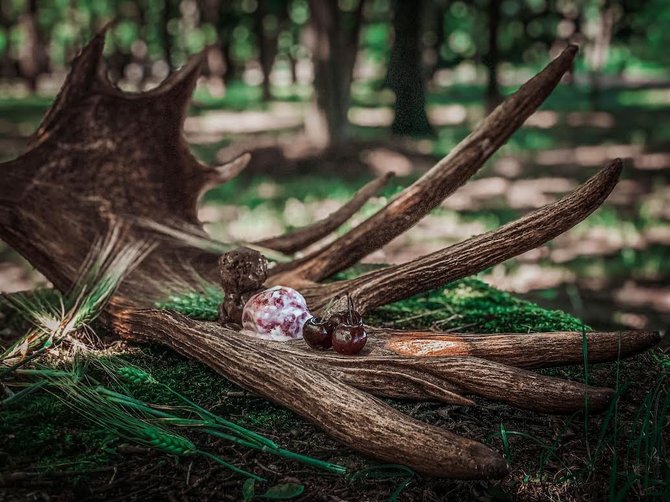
x=452 y=31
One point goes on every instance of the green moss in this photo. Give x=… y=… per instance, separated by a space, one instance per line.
x=472 y=305
x=269 y=416
x=197 y=305
x=42 y=427
x=467 y=305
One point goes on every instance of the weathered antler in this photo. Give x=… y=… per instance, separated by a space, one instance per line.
x=523 y=350
x=303 y=237
x=444 y=178
x=302 y=384
x=103 y=157
x=475 y=254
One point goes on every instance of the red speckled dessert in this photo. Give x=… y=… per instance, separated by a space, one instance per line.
x=277 y=313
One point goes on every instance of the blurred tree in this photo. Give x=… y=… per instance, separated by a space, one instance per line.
x=405 y=75
x=599 y=48
x=435 y=13
x=648 y=28
x=270 y=16
x=167 y=13
x=496 y=31
x=211 y=11
x=227 y=16
x=8 y=65
x=492 y=56
x=616 y=35
x=334 y=45
x=32 y=54
x=231 y=29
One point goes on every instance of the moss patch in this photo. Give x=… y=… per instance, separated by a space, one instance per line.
x=464 y=305
x=471 y=305
x=43 y=429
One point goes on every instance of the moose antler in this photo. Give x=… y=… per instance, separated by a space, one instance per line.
x=102 y=157
x=439 y=182
x=303 y=237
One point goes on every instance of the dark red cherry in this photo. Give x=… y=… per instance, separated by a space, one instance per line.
x=344 y=317
x=349 y=339
x=317 y=333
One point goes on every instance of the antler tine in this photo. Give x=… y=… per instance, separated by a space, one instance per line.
x=521 y=388
x=176 y=90
x=230 y=170
x=522 y=350
x=468 y=375
x=444 y=178
x=475 y=254
x=86 y=72
x=299 y=239
x=223 y=173
x=401 y=384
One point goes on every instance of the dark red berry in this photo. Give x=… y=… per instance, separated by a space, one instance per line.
x=317 y=333
x=349 y=339
x=344 y=317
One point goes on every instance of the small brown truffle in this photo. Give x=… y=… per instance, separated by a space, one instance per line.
x=242 y=272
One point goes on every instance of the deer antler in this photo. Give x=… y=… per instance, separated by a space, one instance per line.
x=102 y=157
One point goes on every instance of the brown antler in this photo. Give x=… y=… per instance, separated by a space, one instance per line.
x=303 y=237
x=443 y=179
x=302 y=384
x=523 y=350
x=475 y=254
x=103 y=157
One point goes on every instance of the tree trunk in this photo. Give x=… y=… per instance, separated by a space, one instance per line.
x=32 y=59
x=226 y=22
x=166 y=37
x=8 y=65
x=493 y=96
x=405 y=73
x=439 y=10
x=334 y=45
x=599 y=51
x=107 y=160
x=267 y=39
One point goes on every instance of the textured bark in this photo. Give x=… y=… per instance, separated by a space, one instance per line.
x=304 y=385
x=104 y=159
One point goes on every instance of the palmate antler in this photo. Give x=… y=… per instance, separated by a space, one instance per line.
x=103 y=157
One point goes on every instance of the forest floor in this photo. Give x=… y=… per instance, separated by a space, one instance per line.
x=50 y=451
x=611 y=271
